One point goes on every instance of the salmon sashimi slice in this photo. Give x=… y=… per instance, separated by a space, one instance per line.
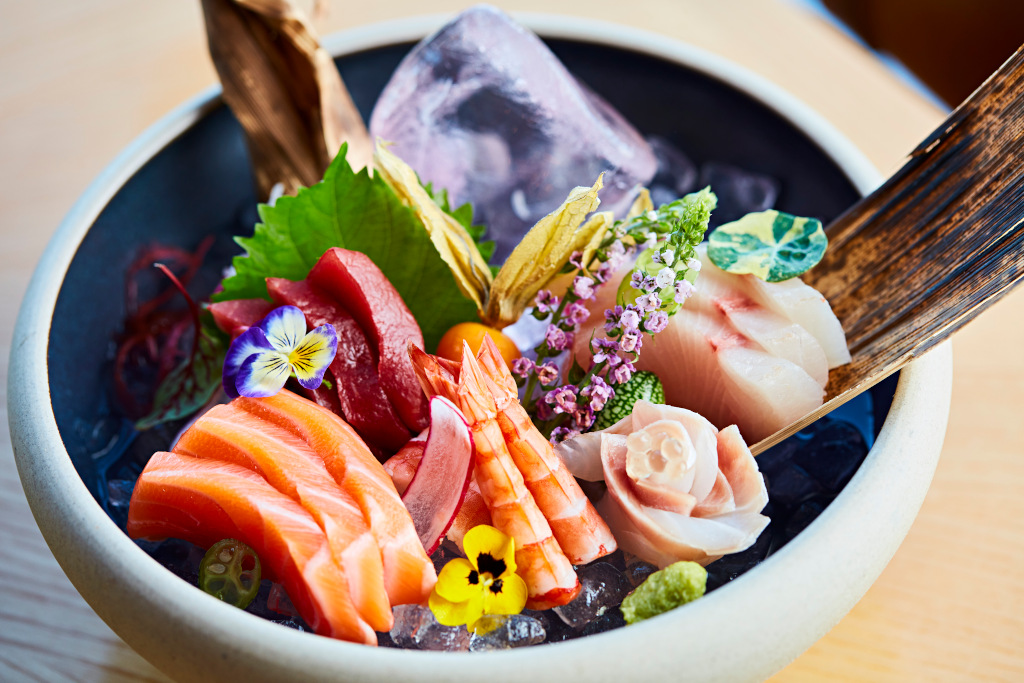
x=357 y=383
x=579 y=530
x=549 y=576
x=232 y=435
x=409 y=575
x=290 y=544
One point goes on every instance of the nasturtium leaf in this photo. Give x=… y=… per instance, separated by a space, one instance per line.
x=772 y=245
x=358 y=212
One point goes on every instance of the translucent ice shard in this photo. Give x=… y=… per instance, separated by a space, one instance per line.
x=484 y=109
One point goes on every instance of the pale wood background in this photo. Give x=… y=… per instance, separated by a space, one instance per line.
x=79 y=79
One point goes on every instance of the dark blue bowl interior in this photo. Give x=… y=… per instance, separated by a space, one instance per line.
x=200 y=184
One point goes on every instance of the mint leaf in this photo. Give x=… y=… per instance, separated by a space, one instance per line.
x=771 y=245
x=353 y=211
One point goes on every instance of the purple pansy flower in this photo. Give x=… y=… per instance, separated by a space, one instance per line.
x=630 y=319
x=684 y=290
x=621 y=374
x=260 y=360
x=562 y=399
x=603 y=349
x=599 y=392
x=631 y=341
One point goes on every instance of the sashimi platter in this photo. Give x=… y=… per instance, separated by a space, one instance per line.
x=495 y=390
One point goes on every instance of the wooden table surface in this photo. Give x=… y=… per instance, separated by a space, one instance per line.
x=79 y=79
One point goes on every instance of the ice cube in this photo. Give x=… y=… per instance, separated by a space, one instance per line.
x=637 y=573
x=407 y=621
x=434 y=636
x=676 y=174
x=416 y=627
x=484 y=109
x=739 y=192
x=602 y=586
x=501 y=632
x=609 y=620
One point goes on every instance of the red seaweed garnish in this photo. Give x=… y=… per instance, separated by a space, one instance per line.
x=155 y=338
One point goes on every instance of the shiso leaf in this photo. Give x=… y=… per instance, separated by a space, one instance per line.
x=455 y=245
x=772 y=245
x=358 y=212
x=541 y=255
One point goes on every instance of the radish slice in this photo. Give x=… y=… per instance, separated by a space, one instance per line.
x=438 y=488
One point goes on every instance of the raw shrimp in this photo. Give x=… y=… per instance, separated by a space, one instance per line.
x=579 y=530
x=547 y=571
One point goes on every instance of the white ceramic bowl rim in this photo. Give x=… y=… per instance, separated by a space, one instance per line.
x=793 y=598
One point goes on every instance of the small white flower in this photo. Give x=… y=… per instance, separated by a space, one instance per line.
x=667 y=257
x=651 y=216
x=684 y=290
x=693 y=264
x=666 y=276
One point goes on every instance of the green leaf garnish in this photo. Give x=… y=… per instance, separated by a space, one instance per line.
x=772 y=245
x=190 y=385
x=353 y=211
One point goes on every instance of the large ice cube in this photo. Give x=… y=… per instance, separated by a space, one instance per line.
x=484 y=109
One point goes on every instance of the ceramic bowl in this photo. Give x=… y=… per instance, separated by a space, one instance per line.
x=188 y=176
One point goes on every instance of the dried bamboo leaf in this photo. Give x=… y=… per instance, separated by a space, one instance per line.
x=541 y=254
x=285 y=91
x=451 y=240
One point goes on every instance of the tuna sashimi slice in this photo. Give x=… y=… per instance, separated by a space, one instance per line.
x=408 y=573
x=360 y=389
x=235 y=317
x=351 y=277
x=242 y=505
x=231 y=435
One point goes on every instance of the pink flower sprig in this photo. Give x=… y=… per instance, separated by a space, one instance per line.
x=664 y=276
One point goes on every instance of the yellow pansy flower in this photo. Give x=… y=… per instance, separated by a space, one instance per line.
x=485 y=582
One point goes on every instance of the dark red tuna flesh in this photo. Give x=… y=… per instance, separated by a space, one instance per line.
x=361 y=397
x=235 y=317
x=352 y=278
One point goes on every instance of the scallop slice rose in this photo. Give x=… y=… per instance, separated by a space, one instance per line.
x=678 y=488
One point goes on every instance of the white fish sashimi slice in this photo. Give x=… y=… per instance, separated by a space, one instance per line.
x=806 y=307
x=685 y=357
x=769 y=392
x=777 y=335
x=798 y=310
